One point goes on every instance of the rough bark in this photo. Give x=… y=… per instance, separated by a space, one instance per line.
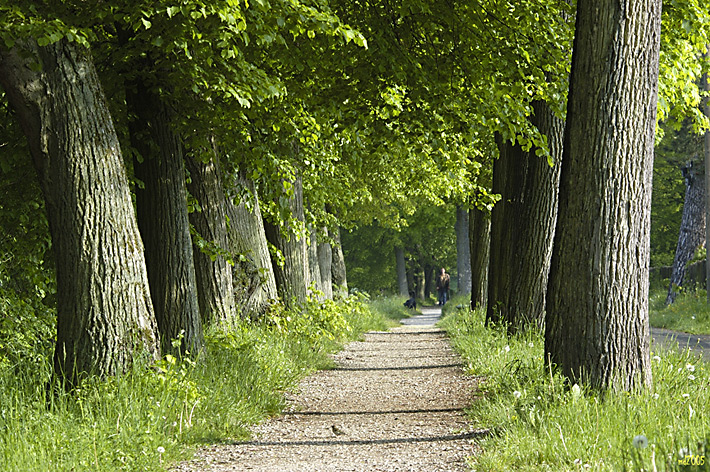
x=161 y=202
x=211 y=243
x=401 y=272
x=692 y=228
x=463 y=251
x=706 y=160
x=314 y=278
x=325 y=263
x=252 y=276
x=292 y=276
x=532 y=224
x=340 y=280
x=597 y=327
x=105 y=318
x=480 y=238
x=429 y=280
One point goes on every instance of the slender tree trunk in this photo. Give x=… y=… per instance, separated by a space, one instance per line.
x=313 y=261
x=325 y=263
x=692 y=228
x=480 y=238
x=429 y=276
x=401 y=272
x=532 y=224
x=706 y=152
x=340 y=280
x=420 y=284
x=597 y=327
x=213 y=272
x=463 y=251
x=253 y=276
x=105 y=318
x=163 y=221
x=291 y=276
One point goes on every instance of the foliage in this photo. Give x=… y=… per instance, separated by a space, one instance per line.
x=534 y=421
x=123 y=423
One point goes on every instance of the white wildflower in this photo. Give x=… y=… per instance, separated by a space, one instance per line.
x=578 y=462
x=655 y=396
x=517 y=394
x=685 y=395
x=576 y=391
x=531 y=344
x=640 y=442
x=506 y=348
x=690 y=367
x=657 y=358
x=691 y=377
x=161 y=449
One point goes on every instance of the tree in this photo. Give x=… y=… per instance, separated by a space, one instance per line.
x=480 y=236
x=401 y=271
x=105 y=318
x=463 y=251
x=597 y=327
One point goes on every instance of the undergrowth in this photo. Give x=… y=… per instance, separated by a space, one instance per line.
x=689 y=312
x=156 y=414
x=538 y=422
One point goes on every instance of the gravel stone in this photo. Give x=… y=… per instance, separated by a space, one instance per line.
x=393 y=403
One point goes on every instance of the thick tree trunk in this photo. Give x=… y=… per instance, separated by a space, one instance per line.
x=597 y=327
x=105 y=317
x=532 y=224
x=292 y=276
x=480 y=238
x=253 y=276
x=211 y=243
x=340 y=280
x=692 y=228
x=401 y=272
x=163 y=220
x=325 y=263
x=463 y=251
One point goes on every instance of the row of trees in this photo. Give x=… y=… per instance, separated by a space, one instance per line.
x=292 y=119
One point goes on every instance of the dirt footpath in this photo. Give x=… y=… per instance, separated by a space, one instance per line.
x=393 y=403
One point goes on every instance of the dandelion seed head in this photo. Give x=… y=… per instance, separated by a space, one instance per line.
x=161 y=449
x=690 y=367
x=517 y=394
x=640 y=441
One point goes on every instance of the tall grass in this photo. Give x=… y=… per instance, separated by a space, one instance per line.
x=538 y=422
x=689 y=313
x=156 y=414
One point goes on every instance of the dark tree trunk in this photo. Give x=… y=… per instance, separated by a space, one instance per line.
x=340 y=280
x=429 y=280
x=325 y=263
x=692 y=228
x=597 y=304
x=292 y=276
x=161 y=202
x=252 y=276
x=105 y=317
x=480 y=238
x=419 y=284
x=532 y=226
x=211 y=243
x=463 y=251
x=401 y=272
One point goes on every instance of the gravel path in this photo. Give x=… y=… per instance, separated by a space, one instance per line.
x=393 y=403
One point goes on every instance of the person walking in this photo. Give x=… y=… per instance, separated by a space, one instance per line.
x=442 y=286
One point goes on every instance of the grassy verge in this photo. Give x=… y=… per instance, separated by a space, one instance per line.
x=393 y=309
x=538 y=423
x=689 y=313
x=156 y=415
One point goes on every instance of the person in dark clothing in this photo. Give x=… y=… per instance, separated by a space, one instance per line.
x=442 y=286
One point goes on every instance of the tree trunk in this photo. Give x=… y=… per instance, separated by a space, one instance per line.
x=429 y=280
x=419 y=284
x=692 y=228
x=105 y=317
x=291 y=276
x=706 y=156
x=314 y=278
x=163 y=220
x=532 y=224
x=340 y=280
x=253 y=279
x=463 y=251
x=401 y=272
x=480 y=239
x=597 y=327
x=325 y=263
x=213 y=272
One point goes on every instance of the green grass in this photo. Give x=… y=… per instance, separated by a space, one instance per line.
x=156 y=415
x=538 y=423
x=393 y=308
x=689 y=313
